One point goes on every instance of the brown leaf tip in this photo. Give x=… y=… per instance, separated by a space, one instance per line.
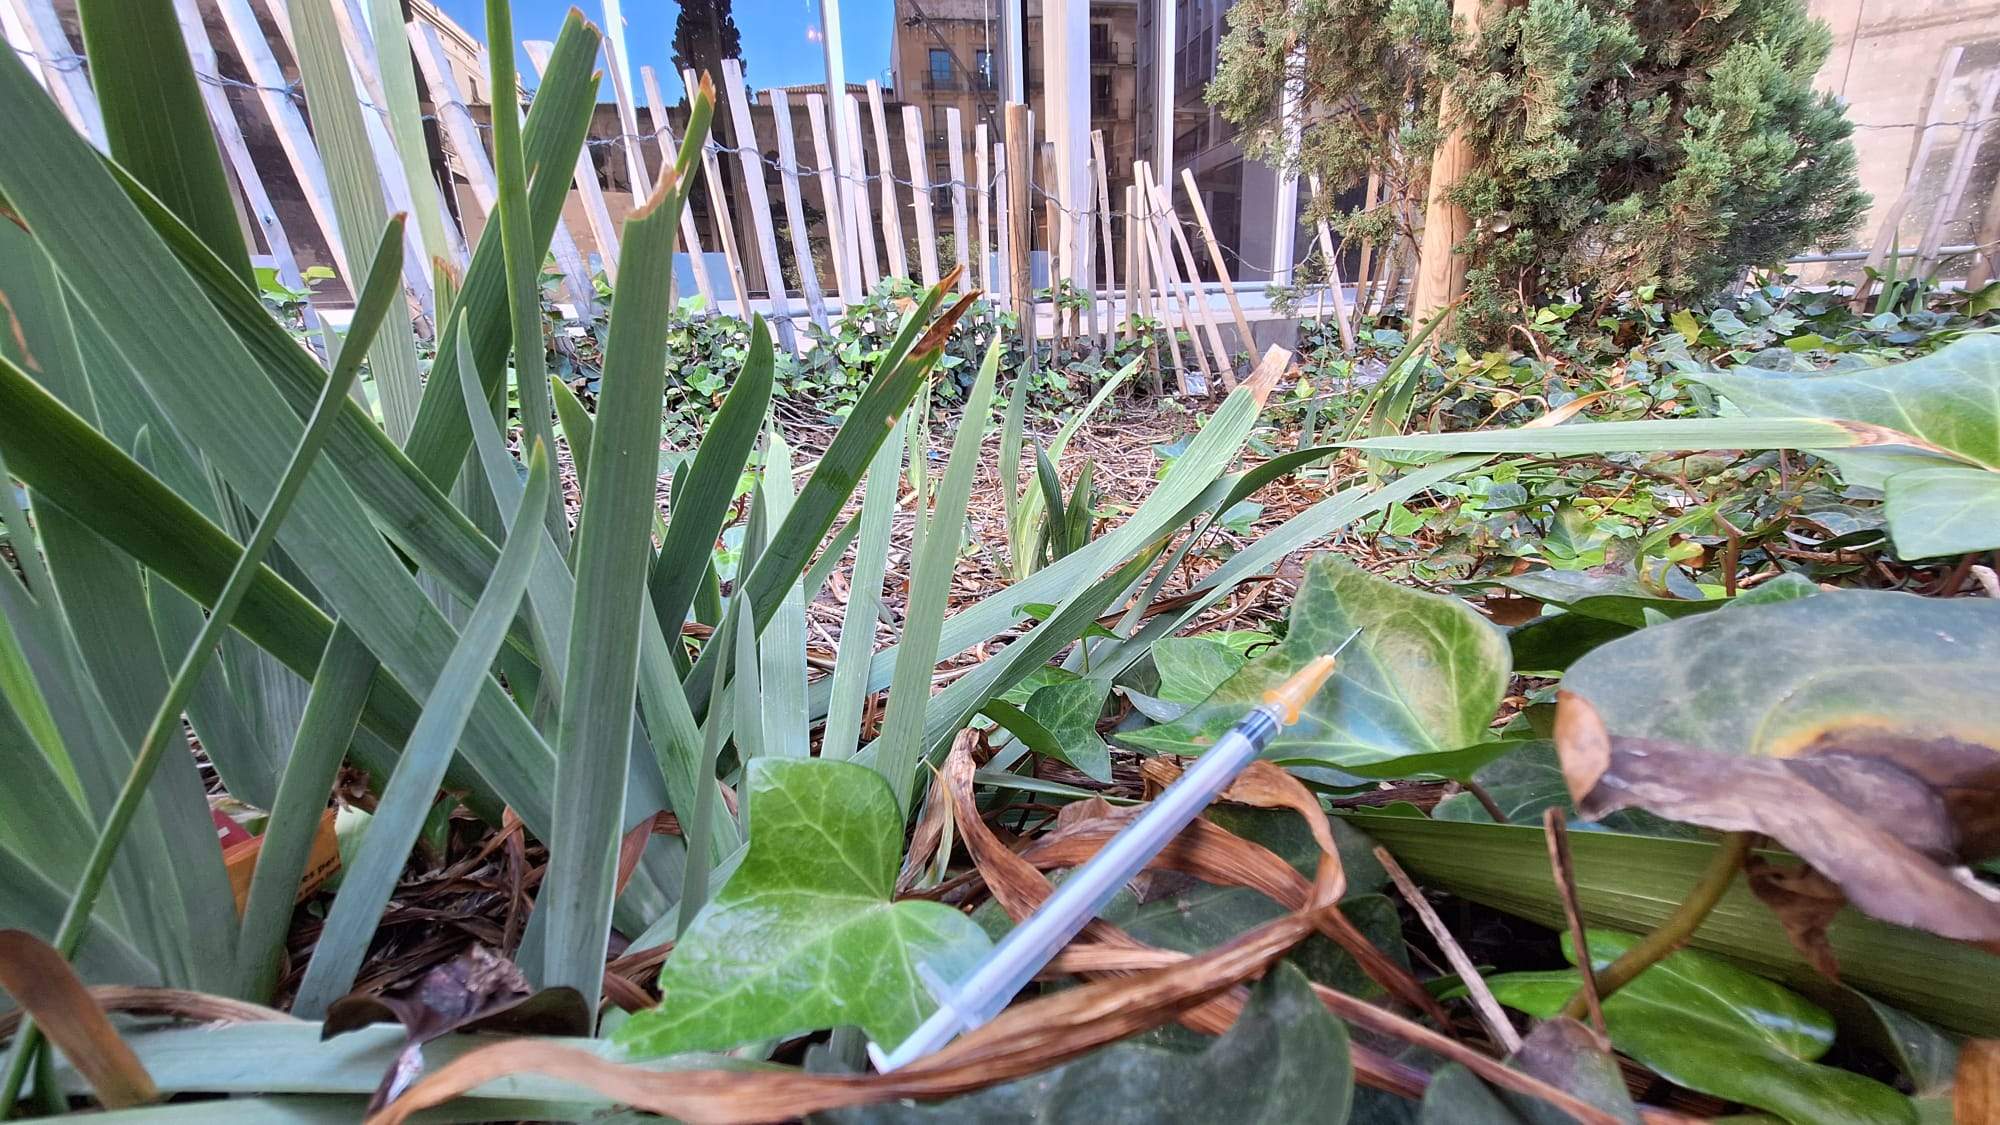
x=1582 y=743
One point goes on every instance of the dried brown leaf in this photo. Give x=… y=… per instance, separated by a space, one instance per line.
x=1022 y=1040
x=1805 y=903
x=172 y=1003
x=925 y=840
x=1975 y=1096
x=1884 y=816
x=45 y=987
x=479 y=990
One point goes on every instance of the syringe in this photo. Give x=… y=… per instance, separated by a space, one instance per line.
x=1028 y=947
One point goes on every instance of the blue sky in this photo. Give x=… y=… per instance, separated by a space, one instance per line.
x=776 y=48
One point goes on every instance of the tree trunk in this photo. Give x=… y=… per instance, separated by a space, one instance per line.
x=1440 y=272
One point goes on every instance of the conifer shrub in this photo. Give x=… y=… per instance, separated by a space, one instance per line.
x=1617 y=145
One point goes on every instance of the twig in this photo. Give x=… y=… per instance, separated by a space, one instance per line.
x=1483 y=1002
x=1557 y=831
x=1678 y=927
x=1485 y=800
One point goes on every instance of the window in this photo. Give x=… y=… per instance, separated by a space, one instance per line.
x=1100 y=42
x=1100 y=93
x=940 y=72
x=982 y=64
x=938 y=123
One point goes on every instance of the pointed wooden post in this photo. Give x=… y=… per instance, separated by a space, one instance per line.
x=751 y=153
x=920 y=192
x=222 y=117
x=795 y=209
x=846 y=256
x=725 y=225
x=983 y=170
x=621 y=92
x=463 y=133
x=955 y=163
x=1215 y=255
x=892 y=219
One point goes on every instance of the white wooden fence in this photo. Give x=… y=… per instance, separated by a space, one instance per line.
x=864 y=190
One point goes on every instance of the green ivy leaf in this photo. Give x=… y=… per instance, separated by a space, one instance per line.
x=1284 y=1060
x=1560 y=1052
x=1708 y=1025
x=1948 y=510
x=1607 y=597
x=1424 y=676
x=1528 y=780
x=804 y=935
x=1191 y=668
x=1070 y=711
x=1947 y=398
x=1685 y=323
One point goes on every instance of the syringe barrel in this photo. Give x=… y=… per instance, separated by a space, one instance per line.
x=1083 y=894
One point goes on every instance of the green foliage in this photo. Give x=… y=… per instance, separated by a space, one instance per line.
x=805 y=934
x=1618 y=147
x=1707 y=1025
x=1284 y=1060
x=1423 y=677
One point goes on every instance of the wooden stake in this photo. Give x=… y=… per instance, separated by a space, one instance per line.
x=1086 y=262
x=920 y=192
x=1018 y=224
x=1003 y=245
x=1131 y=303
x=437 y=233
x=954 y=139
x=983 y=170
x=14 y=29
x=892 y=219
x=1365 y=274
x=1197 y=293
x=463 y=133
x=1156 y=270
x=857 y=195
x=222 y=117
x=846 y=257
x=725 y=224
x=1989 y=243
x=388 y=178
x=621 y=91
x=67 y=82
x=1970 y=137
x=1052 y=251
x=1334 y=284
x=1110 y=244
x=1162 y=266
x=795 y=210
x=750 y=151
x=293 y=136
x=1215 y=255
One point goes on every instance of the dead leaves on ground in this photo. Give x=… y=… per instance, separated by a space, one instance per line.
x=478 y=990
x=1136 y=988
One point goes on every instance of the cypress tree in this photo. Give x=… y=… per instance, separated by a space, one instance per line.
x=1619 y=144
